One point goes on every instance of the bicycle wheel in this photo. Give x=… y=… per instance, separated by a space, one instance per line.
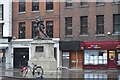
x=38 y=72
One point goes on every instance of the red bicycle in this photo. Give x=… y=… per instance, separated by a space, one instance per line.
x=35 y=71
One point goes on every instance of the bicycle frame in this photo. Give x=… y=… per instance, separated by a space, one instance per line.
x=32 y=71
x=28 y=68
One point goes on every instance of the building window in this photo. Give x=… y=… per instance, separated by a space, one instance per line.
x=95 y=57
x=83 y=3
x=118 y=52
x=1 y=30
x=84 y=25
x=49 y=28
x=68 y=25
x=22 y=30
x=116 y=24
x=68 y=3
x=66 y=59
x=100 y=2
x=34 y=26
x=35 y=5
x=95 y=76
x=1 y=12
x=49 y=5
x=116 y=1
x=100 y=24
x=21 y=5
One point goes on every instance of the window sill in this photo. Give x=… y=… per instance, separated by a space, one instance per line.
x=115 y=34
x=21 y=12
x=100 y=35
x=49 y=10
x=116 y=3
x=35 y=11
x=83 y=35
x=68 y=36
x=100 y=4
x=69 y=7
x=83 y=6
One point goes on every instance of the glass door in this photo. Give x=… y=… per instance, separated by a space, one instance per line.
x=112 y=59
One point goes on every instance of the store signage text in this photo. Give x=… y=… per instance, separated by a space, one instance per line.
x=94 y=46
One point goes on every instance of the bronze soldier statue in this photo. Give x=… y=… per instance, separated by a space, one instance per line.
x=40 y=27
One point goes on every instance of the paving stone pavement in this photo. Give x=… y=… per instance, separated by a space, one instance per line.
x=15 y=74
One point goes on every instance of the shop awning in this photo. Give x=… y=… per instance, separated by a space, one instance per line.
x=69 y=45
x=104 y=45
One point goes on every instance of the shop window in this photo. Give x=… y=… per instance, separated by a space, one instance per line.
x=95 y=57
x=95 y=76
x=112 y=55
x=102 y=58
x=118 y=52
x=91 y=57
x=65 y=59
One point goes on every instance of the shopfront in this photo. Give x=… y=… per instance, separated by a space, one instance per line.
x=72 y=56
x=101 y=54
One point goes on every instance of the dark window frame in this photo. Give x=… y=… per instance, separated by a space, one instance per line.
x=99 y=2
x=116 y=24
x=1 y=28
x=34 y=26
x=35 y=5
x=68 y=25
x=22 y=5
x=84 y=25
x=116 y=1
x=100 y=24
x=68 y=3
x=49 y=28
x=49 y=5
x=84 y=3
x=21 y=30
x=2 y=11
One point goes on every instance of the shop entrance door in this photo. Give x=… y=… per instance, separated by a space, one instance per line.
x=76 y=59
x=112 y=62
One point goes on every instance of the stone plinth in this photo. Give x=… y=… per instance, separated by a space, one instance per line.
x=43 y=55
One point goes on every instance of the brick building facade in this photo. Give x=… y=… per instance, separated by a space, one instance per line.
x=94 y=26
x=29 y=15
x=86 y=30
x=24 y=21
